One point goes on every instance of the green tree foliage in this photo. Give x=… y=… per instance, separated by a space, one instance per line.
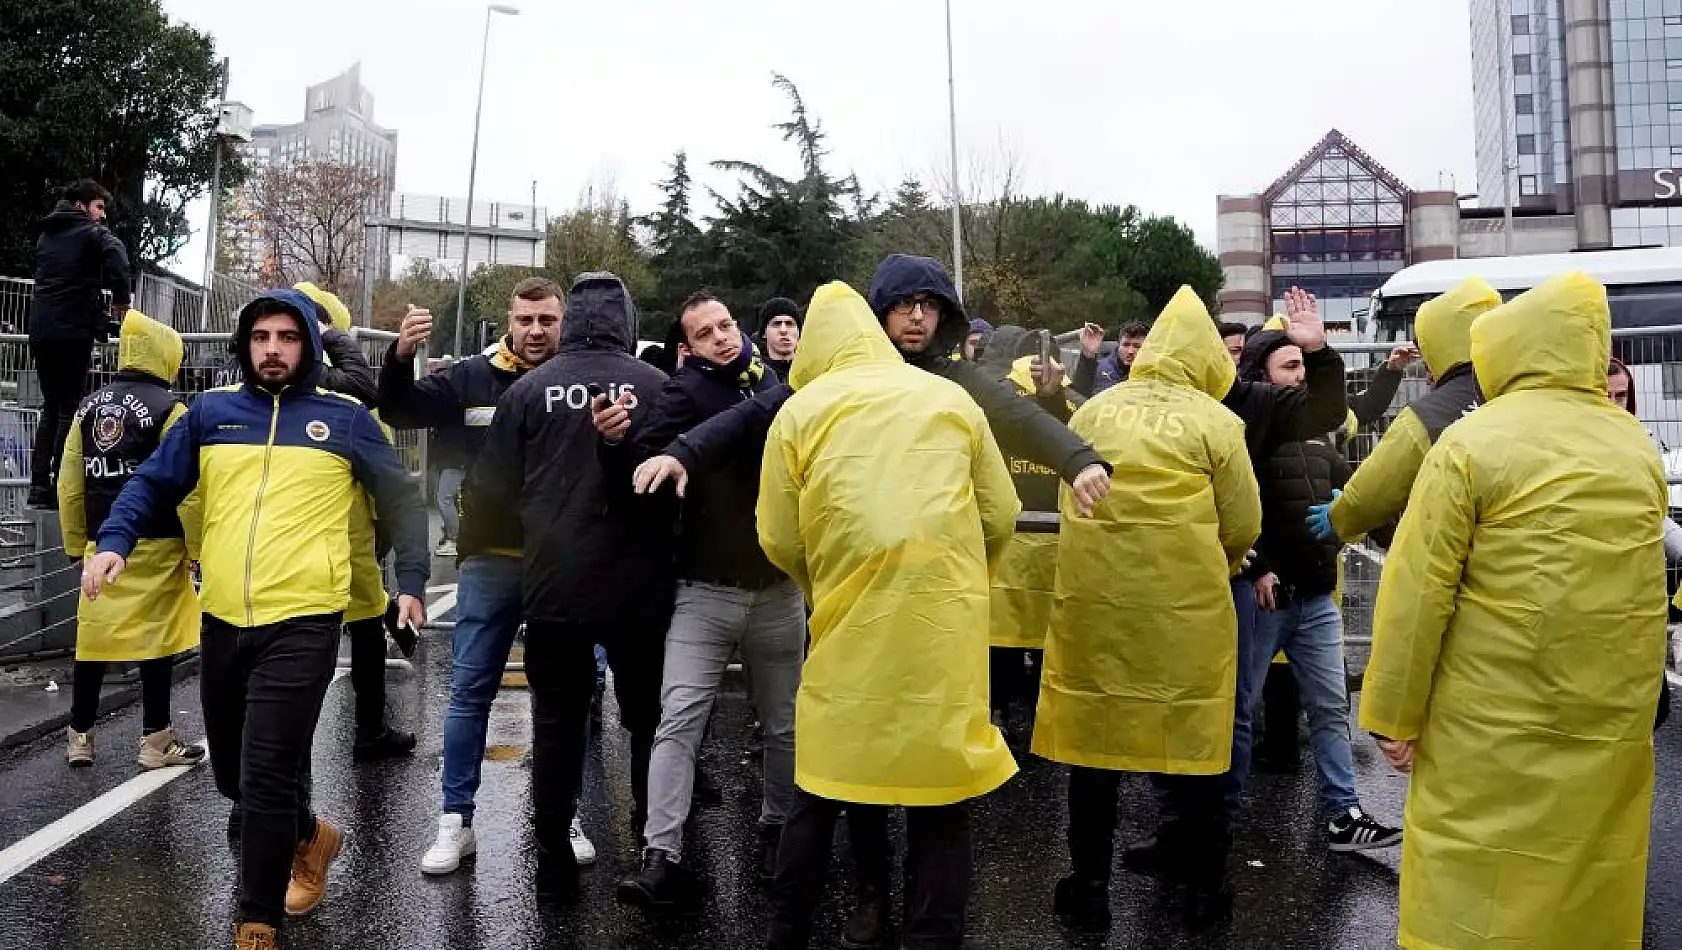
x=109 y=90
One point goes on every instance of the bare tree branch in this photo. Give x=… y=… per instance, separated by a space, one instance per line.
x=311 y=215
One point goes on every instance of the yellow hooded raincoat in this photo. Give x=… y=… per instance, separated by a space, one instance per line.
x=1518 y=638
x=885 y=497
x=368 y=597
x=1141 y=661
x=153 y=611
x=1022 y=589
x=1378 y=490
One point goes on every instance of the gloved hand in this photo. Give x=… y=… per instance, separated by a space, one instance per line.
x=1320 y=518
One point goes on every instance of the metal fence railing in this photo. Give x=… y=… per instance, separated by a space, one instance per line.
x=37 y=580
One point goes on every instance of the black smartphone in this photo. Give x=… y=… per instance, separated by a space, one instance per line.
x=595 y=391
x=404 y=635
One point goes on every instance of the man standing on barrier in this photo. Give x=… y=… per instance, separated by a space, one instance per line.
x=277 y=462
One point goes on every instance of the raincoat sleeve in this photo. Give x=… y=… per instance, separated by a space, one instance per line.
x=1237 y=502
x=397 y=502
x=778 y=512
x=1370 y=404
x=162 y=481
x=72 y=510
x=348 y=372
x=713 y=442
x=430 y=402
x=1378 y=491
x=995 y=494
x=1416 y=596
x=191 y=509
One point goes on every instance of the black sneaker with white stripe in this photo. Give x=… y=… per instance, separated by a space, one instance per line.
x=1356 y=831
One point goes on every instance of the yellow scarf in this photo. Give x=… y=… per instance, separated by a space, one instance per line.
x=507 y=360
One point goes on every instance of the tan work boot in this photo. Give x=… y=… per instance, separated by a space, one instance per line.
x=254 y=937
x=309 y=869
x=163 y=748
x=79 y=752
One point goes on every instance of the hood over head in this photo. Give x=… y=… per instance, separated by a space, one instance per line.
x=599 y=315
x=1002 y=350
x=149 y=347
x=902 y=276
x=1184 y=347
x=841 y=331
x=1555 y=336
x=1275 y=322
x=301 y=307
x=334 y=309
x=1258 y=346
x=1442 y=328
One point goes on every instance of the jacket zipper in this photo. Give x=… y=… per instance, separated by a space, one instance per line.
x=256 y=510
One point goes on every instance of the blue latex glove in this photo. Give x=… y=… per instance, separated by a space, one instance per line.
x=1320 y=518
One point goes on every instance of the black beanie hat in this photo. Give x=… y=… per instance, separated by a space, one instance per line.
x=779 y=307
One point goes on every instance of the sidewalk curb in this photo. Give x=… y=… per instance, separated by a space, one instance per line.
x=111 y=700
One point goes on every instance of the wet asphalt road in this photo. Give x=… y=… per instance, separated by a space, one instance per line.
x=159 y=875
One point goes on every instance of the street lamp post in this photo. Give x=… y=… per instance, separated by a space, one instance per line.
x=473 y=171
x=957 y=189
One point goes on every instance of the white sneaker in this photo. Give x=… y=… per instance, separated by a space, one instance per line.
x=455 y=841
x=445 y=548
x=582 y=849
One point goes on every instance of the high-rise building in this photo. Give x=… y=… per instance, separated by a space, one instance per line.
x=1589 y=93
x=338 y=126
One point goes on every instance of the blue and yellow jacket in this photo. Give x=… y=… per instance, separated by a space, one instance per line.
x=277 y=472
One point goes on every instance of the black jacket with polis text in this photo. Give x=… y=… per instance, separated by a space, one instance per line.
x=594 y=552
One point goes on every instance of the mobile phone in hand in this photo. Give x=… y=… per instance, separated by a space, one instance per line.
x=1045 y=356
x=403 y=634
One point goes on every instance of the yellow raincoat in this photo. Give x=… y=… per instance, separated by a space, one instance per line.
x=1022 y=590
x=153 y=610
x=1377 y=492
x=885 y=497
x=1518 y=638
x=1141 y=662
x=368 y=597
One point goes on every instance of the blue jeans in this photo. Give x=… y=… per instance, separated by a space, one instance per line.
x=1310 y=631
x=487 y=616
x=449 y=483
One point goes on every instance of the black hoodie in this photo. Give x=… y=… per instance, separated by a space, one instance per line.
x=594 y=552
x=1022 y=428
x=75 y=259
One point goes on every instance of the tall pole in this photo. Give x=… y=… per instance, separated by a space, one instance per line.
x=473 y=173
x=215 y=202
x=957 y=188
x=1503 y=66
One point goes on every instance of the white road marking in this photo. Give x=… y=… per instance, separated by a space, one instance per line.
x=442 y=605
x=1675 y=679
x=441 y=589
x=86 y=818
x=44 y=842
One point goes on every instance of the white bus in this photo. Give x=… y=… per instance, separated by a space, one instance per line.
x=1643 y=285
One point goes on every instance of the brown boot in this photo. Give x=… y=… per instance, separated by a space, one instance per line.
x=309 y=869
x=254 y=937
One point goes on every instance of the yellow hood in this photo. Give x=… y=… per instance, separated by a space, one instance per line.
x=1443 y=326
x=840 y=331
x=146 y=345
x=337 y=313
x=1556 y=336
x=1277 y=322
x=1184 y=347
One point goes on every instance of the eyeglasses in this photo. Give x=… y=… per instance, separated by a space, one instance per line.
x=931 y=307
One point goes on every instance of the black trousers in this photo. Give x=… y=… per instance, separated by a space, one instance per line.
x=367 y=674
x=1280 y=742
x=1009 y=678
x=262 y=689
x=62 y=369
x=156 y=678
x=561 y=671
x=1196 y=837
x=938 y=868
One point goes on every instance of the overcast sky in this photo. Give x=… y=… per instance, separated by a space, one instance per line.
x=1160 y=105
